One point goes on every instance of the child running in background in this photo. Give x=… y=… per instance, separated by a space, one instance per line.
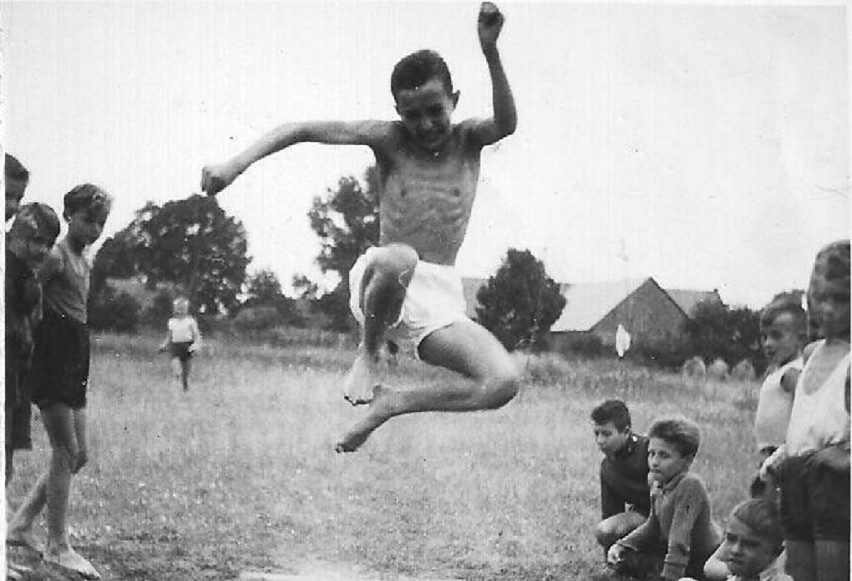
x=183 y=340
x=408 y=289
x=60 y=375
x=753 y=544
x=625 y=501
x=812 y=467
x=679 y=534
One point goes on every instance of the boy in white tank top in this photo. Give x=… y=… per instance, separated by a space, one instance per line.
x=813 y=465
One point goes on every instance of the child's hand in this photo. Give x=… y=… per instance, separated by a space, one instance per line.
x=489 y=25
x=192 y=348
x=771 y=464
x=615 y=555
x=215 y=178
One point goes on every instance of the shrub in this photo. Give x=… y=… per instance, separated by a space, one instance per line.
x=109 y=311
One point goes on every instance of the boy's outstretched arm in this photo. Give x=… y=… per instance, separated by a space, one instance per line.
x=215 y=178
x=505 y=118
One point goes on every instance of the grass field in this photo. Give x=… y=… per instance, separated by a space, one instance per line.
x=240 y=474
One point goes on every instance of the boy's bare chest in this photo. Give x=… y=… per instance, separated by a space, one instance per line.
x=421 y=184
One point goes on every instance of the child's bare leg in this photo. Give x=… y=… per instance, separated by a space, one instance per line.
x=464 y=347
x=381 y=294
x=20 y=527
x=176 y=367
x=185 y=368
x=60 y=426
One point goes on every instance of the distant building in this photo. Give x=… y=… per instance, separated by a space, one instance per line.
x=650 y=314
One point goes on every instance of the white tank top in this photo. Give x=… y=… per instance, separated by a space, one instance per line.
x=819 y=419
x=773 y=407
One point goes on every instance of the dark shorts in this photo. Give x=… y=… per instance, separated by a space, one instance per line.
x=60 y=371
x=181 y=350
x=814 y=501
x=18 y=413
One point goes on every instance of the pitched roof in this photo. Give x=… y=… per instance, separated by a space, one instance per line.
x=687 y=300
x=587 y=303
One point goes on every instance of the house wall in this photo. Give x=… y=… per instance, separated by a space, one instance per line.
x=649 y=315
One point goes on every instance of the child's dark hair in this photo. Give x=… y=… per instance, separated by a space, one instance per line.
x=612 y=410
x=36 y=219
x=419 y=68
x=680 y=432
x=15 y=170
x=761 y=516
x=785 y=303
x=87 y=196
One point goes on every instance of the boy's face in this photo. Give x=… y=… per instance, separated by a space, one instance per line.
x=746 y=553
x=86 y=225
x=830 y=308
x=425 y=113
x=609 y=439
x=14 y=193
x=664 y=460
x=32 y=250
x=780 y=339
x=181 y=308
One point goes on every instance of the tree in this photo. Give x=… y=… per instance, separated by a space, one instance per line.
x=716 y=331
x=347 y=223
x=520 y=303
x=190 y=243
x=264 y=290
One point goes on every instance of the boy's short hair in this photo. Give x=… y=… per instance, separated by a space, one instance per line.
x=831 y=269
x=786 y=303
x=680 y=432
x=612 y=410
x=36 y=219
x=15 y=170
x=87 y=196
x=419 y=68
x=761 y=516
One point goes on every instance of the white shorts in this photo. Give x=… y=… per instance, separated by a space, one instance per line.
x=434 y=300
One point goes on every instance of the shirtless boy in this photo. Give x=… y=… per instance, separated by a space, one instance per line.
x=407 y=289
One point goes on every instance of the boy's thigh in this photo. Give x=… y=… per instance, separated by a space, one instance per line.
x=467 y=348
x=59 y=423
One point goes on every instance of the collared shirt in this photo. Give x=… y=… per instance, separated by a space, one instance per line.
x=624 y=478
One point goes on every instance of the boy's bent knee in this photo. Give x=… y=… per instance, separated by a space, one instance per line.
x=501 y=389
x=395 y=260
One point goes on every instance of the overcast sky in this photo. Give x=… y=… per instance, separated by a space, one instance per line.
x=706 y=146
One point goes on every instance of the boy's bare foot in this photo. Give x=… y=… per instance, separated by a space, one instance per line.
x=23 y=539
x=73 y=561
x=379 y=412
x=359 y=383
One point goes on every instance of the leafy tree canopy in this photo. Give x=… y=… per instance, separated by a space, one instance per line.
x=520 y=302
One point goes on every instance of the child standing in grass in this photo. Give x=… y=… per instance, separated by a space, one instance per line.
x=60 y=377
x=408 y=289
x=753 y=545
x=625 y=503
x=679 y=534
x=813 y=465
x=183 y=340
x=783 y=330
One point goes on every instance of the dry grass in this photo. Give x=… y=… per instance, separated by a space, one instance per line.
x=239 y=473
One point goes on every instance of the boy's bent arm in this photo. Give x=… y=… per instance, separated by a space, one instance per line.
x=371 y=133
x=505 y=118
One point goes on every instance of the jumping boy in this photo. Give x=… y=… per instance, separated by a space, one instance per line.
x=407 y=289
x=625 y=503
x=60 y=375
x=183 y=340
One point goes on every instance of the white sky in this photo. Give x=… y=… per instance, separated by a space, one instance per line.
x=706 y=146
